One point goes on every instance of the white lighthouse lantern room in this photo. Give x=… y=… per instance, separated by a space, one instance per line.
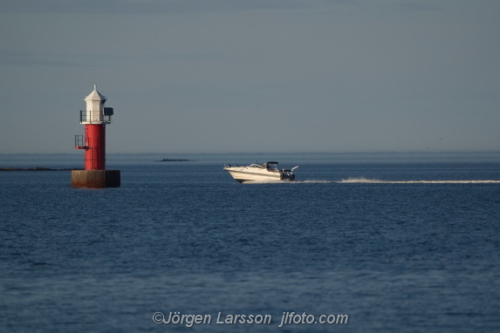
x=96 y=112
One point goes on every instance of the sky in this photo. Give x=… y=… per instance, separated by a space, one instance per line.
x=227 y=76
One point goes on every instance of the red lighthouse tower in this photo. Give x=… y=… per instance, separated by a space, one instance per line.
x=95 y=118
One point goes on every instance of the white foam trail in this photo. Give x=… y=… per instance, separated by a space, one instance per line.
x=378 y=181
x=311 y=181
x=363 y=180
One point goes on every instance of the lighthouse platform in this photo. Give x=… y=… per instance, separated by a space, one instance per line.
x=95 y=178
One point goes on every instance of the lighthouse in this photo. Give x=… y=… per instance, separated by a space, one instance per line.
x=95 y=118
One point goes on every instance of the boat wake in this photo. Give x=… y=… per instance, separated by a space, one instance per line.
x=363 y=180
x=314 y=181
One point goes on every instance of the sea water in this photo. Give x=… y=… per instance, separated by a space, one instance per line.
x=359 y=243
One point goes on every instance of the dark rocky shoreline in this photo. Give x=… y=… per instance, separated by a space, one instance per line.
x=37 y=169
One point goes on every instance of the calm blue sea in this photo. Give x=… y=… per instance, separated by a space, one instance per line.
x=393 y=242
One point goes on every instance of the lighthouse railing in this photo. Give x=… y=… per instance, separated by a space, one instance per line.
x=79 y=142
x=89 y=117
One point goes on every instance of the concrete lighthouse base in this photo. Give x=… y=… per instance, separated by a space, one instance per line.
x=95 y=178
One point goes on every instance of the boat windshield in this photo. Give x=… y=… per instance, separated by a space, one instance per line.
x=271 y=166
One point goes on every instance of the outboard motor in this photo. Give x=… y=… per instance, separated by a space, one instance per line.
x=286 y=174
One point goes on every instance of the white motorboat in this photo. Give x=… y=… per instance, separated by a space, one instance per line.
x=260 y=172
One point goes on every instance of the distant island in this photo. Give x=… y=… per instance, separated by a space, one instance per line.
x=174 y=160
x=37 y=169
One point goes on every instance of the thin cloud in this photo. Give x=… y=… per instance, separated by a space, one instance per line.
x=141 y=7
x=415 y=6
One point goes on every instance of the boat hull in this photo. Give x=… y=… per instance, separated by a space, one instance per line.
x=241 y=175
